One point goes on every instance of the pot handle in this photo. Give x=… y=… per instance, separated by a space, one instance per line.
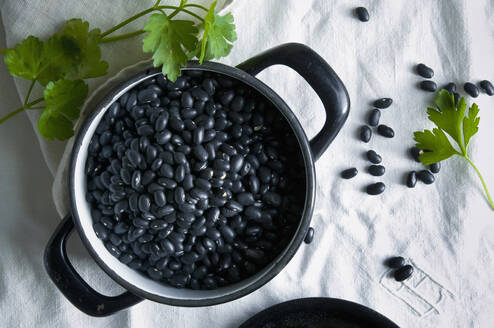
x=320 y=76
x=70 y=283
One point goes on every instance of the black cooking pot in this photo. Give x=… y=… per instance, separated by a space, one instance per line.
x=335 y=99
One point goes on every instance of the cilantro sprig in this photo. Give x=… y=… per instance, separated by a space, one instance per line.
x=63 y=62
x=457 y=122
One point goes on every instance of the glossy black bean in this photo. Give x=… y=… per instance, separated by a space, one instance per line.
x=362 y=14
x=395 y=262
x=309 y=236
x=375 y=188
x=245 y=198
x=163 y=137
x=487 y=87
x=435 y=167
x=383 y=103
x=179 y=195
x=349 y=173
x=179 y=173
x=426 y=176
x=471 y=89
x=252 y=212
x=415 y=153
x=147 y=177
x=374 y=116
x=373 y=157
x=376 y=170
x=424 y=71
x=365 y=133
x=385 y=131
x=428 y=85
x=403 y=273
x=101 y=231
x=213 y=233
x=187 y=208
x=411 y=179
x=450 y=87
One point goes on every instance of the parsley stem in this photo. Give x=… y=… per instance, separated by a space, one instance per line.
x=190 y=13
x=20 y=109
x=120 y=37
x=29 y=91
x=491 y=203
x=147 y=11
x=197 y=6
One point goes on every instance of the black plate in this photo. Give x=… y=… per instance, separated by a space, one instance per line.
x=318 y=312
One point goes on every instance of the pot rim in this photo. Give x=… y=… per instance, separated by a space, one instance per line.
x=280 y=261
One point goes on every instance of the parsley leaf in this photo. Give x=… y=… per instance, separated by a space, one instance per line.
x=74 y=53
x=471 y=123
x=76 y=34
x=219 y=34
x=436 y=145
x=63 y=101
x=450 y=119
x=169 y=40
x=25 y=59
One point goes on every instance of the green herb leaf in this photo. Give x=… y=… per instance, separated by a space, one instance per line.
x=435 y=144
x=169 y=40
x=74 y=53
x=471 y=123
x=25 y=59
x=63 y=101
x=219 y=34
x=77 y=37
x=461 y=128
x=448 y=117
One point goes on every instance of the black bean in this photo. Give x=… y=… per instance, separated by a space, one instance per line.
x=424 y=71
x=435 y=167
x=362 y=14
x=403 y=273
x=365 y=133
x=373 y=157
x=309 y=236
x=426 y=176
x=101 y=231
x=376 y=170
x=428 y=85
x=187 y=208
x=375 y=188
x=147 y=177
x=450 y=87
x=349 y=173
x=395 y=262
x=179 y=173
x=487 y=87
x=179 y=195
x=187 y=100
x=189 y=258
x=471 y=89
x=163 y=137
x=165 y=212
x=415 y=153
x=144 y=203
x=383 y=103
x=245 y=198
x=385 y=131
x=147 y=95
x=200 y=94
x=374 y=116
x=159 y=198
x=113 y=250
x=411 y=179
x=253 y=212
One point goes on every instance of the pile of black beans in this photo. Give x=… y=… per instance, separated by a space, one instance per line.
x=197 y=183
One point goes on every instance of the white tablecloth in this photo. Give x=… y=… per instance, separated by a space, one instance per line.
x=445 y=230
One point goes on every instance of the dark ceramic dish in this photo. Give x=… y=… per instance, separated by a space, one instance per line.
x=335 y=99
x=318 y=312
